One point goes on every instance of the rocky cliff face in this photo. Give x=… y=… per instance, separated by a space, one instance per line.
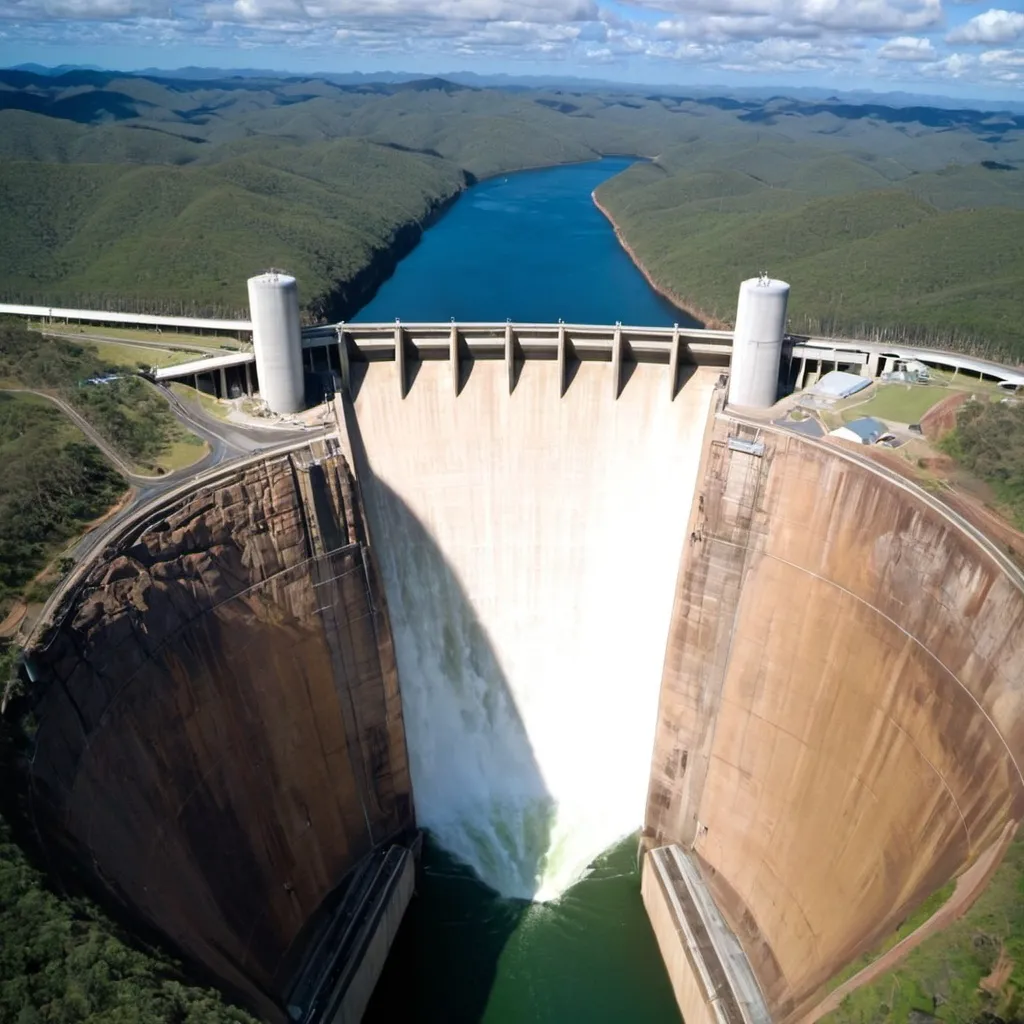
x=220 y=734
x=840 y=723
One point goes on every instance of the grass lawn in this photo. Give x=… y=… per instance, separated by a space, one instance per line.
x=901 y=403
x=946 y=971
x=211 y=405
x=166 y=337
x=179 y=454
x=132 y=355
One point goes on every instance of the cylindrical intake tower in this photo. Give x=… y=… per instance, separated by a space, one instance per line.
x=277 y=340
x=757 y=342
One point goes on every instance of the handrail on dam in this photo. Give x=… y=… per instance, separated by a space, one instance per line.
x=400 y=342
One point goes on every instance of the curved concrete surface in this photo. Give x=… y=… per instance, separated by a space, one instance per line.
x=840 y=729
x=219 y=736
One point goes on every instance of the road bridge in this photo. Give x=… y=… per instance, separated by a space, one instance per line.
x=807 y=354
x=335 y=347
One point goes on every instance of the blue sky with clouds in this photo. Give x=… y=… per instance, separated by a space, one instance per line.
x=952 y=47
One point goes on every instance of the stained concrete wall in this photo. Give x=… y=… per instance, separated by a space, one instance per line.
x=840 y=728
x=219 y=727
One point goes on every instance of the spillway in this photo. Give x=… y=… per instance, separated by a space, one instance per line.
x=529 y=545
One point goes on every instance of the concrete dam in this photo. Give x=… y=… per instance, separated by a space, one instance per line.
x=533 y=600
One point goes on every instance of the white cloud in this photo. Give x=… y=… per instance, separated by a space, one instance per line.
x=798 y=51
x=375 y=13
x=83 y=10
x=956 y=65
x=761 y=19
x=994 y=26
x=908 y=48
x=892 y=39
x=1002 y=58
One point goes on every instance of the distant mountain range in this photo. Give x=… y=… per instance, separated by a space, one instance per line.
x=563 y=82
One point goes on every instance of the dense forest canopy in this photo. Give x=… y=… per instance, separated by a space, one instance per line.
x=63 y=961
x=137 y=191
x=51 y=482
x=989 y=441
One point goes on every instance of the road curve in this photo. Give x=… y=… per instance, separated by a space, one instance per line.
x=90 y=432
x=137 y=510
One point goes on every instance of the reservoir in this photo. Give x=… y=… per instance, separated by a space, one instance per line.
x=531 y=247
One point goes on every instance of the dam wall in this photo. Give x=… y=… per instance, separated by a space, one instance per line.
x=841 y=724
x=528 y=544
x=219 y=736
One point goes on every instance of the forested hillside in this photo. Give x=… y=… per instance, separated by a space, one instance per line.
x=188 y=237
x=869 y=243
x=63 y=961
x=141 y=192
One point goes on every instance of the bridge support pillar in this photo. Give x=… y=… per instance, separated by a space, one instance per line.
x=400 y=354
x=453 y=358
x=673 y=363
x=510 y=356
x=248 y=379
x=223 y=382
x=872 y=364
x=617 y=357
x=563 y=361
x=344 y=362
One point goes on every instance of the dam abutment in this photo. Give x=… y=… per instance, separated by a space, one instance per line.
x=218 y=745
x=839 y=730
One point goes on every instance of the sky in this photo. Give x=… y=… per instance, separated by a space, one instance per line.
x=935 y=47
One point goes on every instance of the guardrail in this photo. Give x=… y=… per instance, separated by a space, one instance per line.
x=105 y=316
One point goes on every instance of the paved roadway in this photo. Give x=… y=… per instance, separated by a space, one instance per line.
x=227 y=442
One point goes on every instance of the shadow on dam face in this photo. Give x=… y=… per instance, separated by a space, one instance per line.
x=218 y=736
x=478 y=786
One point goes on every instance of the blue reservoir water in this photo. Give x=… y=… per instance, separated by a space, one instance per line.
x=531 y=247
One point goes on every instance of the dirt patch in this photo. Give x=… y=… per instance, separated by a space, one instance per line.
x=14 y=618
x=995 y=982
x=937 y=463
x=941 y=419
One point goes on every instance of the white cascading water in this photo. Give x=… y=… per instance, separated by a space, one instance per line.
x=529 y=546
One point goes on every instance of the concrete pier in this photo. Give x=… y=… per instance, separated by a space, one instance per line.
x=710 y=974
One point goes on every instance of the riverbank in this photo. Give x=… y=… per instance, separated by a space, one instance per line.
x=482 y=261
x=347 y=297
x=691 y=309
